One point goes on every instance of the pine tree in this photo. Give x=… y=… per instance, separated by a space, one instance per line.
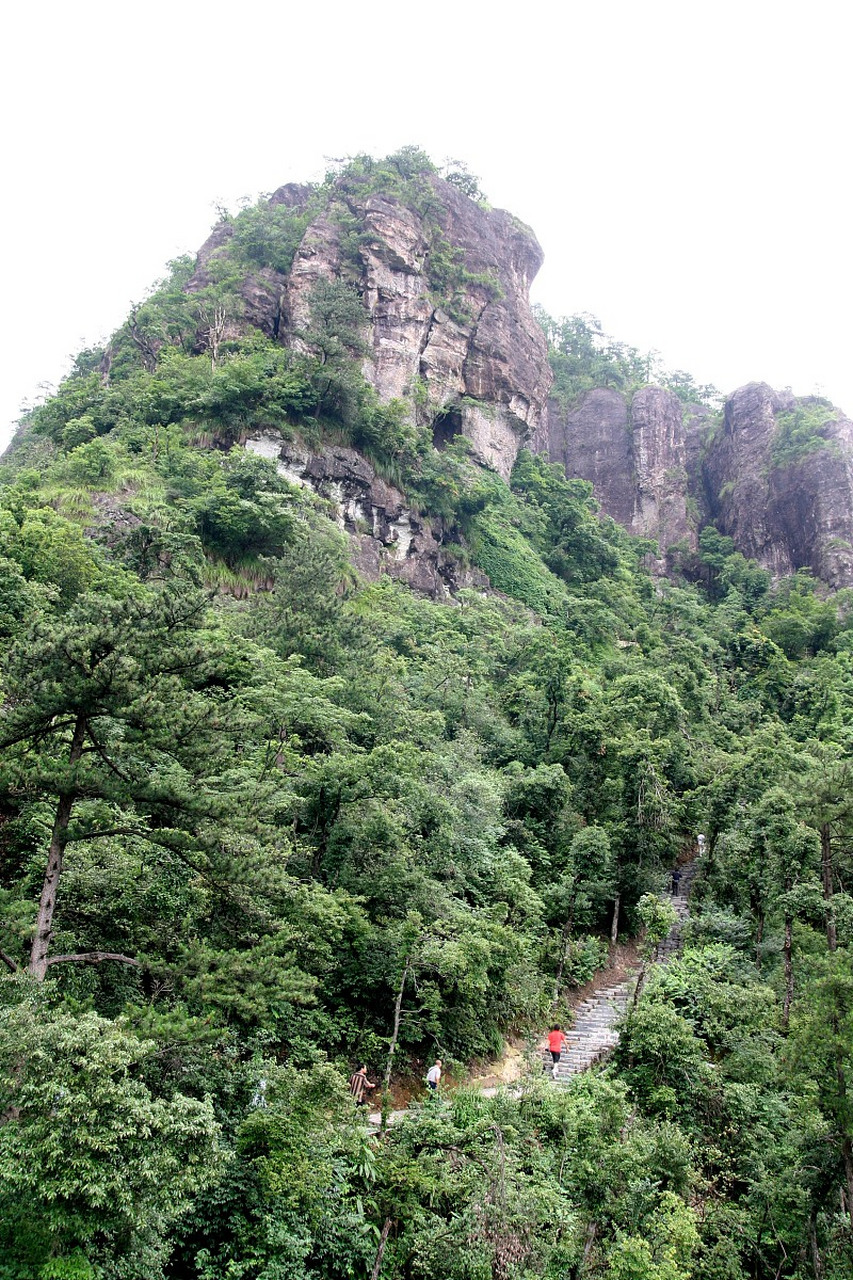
x=121 y=719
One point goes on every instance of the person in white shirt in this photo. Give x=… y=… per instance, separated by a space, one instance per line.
x=434 y=1076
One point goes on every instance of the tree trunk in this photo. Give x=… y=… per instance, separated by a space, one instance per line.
x=817 y=1261
x=383 y=1240
x=756 y=1252
x=591 y=1232
x=641 y=982
x=614 y=927
x=846 y=1146
x=392 y=1048
x=564 y=943
x=789 y=971
x=828 y=887
x=56 y=853
x=847 y=1153
x=216 y=332
x=759 y=934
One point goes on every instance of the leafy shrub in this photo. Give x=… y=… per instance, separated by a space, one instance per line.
x=584 y=957
x=267 y=235
x=93 y=1166
x=801 y=431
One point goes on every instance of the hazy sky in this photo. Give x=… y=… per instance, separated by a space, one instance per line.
x=684 y=165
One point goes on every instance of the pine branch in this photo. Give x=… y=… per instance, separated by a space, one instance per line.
x=95 y=957
x=111 y=831
x=46 y=729
x=119 y=772
x=7 y=960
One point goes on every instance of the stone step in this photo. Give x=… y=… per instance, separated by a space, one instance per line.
x=593 y=1035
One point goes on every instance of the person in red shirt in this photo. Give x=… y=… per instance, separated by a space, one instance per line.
x=556 y=1045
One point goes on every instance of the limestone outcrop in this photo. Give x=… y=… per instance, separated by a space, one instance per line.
x=386 y=534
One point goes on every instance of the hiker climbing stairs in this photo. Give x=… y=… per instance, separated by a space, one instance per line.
x=593 y=1036
x=672 y=943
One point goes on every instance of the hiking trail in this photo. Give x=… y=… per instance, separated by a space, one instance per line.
x=593 y=1035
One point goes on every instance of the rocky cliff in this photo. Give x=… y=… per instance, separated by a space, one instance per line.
x=444 y=282
x=633 y=453
x=479 y=363
x=775 y=475
x=778 y=475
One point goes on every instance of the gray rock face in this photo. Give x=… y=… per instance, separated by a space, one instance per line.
x=633 y=456
x=387 y=536
x=467 y=354
x=482 y=369
x=790 y=516
x=658 y=442
x=593 y=441
x=697 y=420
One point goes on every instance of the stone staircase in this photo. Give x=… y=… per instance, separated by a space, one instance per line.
x=671 y=944
x=593 y=1035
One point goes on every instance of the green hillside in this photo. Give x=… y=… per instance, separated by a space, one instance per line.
x=262 y=821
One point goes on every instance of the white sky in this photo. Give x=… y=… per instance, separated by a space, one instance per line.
x=685 y=165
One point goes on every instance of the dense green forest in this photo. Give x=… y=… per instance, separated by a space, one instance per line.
x=262 y=821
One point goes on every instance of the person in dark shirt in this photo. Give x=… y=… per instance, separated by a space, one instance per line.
x=359 y=1084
